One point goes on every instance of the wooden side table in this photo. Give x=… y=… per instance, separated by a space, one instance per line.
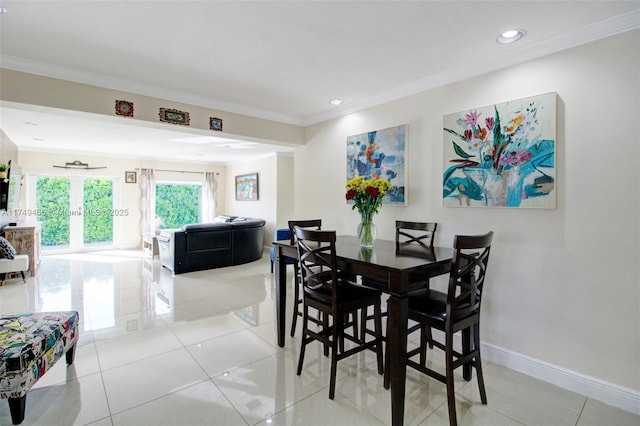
x=150 y=244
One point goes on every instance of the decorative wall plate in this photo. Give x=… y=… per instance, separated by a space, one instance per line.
x=124 y=108
x=174 y=116
x=215 y=123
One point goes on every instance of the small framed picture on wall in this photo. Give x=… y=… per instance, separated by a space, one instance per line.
x=130 y=177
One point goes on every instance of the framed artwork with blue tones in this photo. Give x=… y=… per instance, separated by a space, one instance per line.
x=501 y=155
x=380 y=154
x=247 y=187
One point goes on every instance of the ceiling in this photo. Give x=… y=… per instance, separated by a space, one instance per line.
x=278 y=60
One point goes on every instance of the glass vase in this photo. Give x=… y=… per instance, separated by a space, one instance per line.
x=366 y=232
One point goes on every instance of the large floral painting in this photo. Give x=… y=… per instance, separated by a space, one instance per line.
x=380 y=154
x=501 y=155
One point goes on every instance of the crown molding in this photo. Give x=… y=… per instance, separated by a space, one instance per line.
x=596 y=31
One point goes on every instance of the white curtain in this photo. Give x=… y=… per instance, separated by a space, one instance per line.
x=147 y=183
x=209 y=196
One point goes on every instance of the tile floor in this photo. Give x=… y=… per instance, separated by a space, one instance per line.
x=199 y=349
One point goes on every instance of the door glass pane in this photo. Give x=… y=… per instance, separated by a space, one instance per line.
x=98 y=211
x=52 y=203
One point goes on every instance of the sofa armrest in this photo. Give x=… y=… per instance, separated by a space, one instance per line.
x=172 y=245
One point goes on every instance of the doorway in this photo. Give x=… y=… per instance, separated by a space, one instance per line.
x=76 y=213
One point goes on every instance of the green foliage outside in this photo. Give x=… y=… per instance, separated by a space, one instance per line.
x=54 y=211
x=52 y=202
x=98 y=210
x=178 y=204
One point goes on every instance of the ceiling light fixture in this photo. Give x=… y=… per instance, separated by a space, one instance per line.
x=510 y=36
x=335 y=102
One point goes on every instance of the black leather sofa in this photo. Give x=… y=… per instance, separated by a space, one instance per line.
x=228 y=241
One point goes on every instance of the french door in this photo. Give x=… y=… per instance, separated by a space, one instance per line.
x=76 y=212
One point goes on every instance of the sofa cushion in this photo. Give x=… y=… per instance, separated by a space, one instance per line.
x=224 y=219
x=6 y=249
x=248 y=223
x=203 y=227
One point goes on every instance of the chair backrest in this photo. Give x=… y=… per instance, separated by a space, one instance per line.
x=307 y=224
x=282 y=234
x=419 y=234
x=317 y=258
x=468 y=270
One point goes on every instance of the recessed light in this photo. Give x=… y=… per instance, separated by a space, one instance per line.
x=510 y=36
x=335 y=102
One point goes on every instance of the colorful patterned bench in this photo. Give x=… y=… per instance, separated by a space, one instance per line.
x=30 y=344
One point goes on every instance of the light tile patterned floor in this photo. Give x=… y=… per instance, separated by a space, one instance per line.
x=199 y=349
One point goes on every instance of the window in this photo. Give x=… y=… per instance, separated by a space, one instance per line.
x=178 y=204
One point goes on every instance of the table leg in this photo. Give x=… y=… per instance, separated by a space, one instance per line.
x=281 y=295
x=397 y=323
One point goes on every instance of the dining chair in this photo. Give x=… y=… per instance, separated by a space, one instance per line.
x=297 y=300
x=331 y=292
x=280 y=234
x=412 y=234
x=414 y=239
x=453 y=311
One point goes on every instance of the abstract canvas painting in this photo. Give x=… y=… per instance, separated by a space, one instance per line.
x=247 y=187
x=380 y=154
x=501 y=155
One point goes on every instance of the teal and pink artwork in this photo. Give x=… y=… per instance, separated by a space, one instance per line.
x=501 y=155
x=380 y=154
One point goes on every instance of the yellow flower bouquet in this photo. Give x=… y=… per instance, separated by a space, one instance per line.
x=367 y=198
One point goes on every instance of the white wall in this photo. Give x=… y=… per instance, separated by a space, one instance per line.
x=266 y=205
x=563 y=284
x=284 y=191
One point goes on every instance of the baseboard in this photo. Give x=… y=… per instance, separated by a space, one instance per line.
x=609 y=393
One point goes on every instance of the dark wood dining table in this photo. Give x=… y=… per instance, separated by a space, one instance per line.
x=399 y=269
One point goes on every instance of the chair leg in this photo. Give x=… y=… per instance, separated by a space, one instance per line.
x=272 y=266
x=451 y=398
x=354 y=324
x=305 y=315
x=16 y=407
x=325 y=325
x=337 y=335
x=466 y=348
x=296 y=300
x=387 y=377
x=429 y=337
x=377 y=319
x=478 y=363
x=426 y=340
x=3 y=279
x=363 y=324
